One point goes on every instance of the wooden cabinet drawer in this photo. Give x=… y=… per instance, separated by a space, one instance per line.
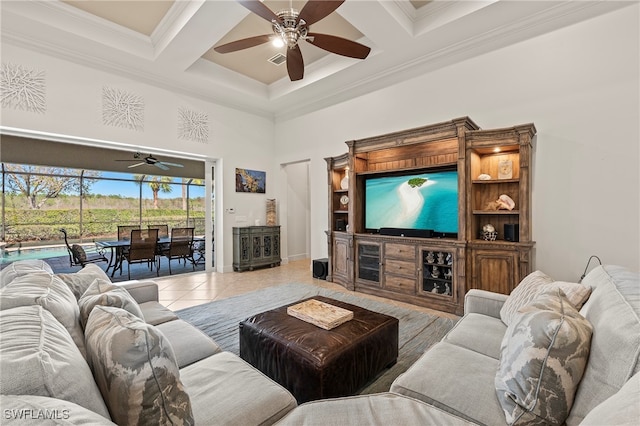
x=400 y=267
x=400 y=284
x=400 y=251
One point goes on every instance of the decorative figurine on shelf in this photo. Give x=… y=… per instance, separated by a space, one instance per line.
x=430 y=258
x=504 y=202
x=505 y=169
x=489 y=232
x=441 y=258
x=435 y=272
x=448 y=274
x=484 y=176
x=449 y=259
x=447 y=289
x=344 y=183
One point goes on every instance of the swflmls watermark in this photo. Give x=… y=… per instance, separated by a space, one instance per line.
x=32 y=414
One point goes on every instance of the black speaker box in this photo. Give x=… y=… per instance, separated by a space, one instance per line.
x=511 y=232
x=320 y=268
x=341 y=225
x=407 y=232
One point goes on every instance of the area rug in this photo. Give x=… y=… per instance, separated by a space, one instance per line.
x=220 y=319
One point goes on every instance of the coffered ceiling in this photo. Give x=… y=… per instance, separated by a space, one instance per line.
x=170 y=43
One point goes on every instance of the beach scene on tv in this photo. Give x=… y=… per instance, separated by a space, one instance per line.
x=418 y=201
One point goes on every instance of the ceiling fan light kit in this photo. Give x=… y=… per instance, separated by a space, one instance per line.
x=291 y=26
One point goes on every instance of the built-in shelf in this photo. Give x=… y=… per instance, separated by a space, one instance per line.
x=500 y=212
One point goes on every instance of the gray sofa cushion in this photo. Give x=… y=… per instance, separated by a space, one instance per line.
x=455 y=379
x=544 y=353
x=465 y=334
x=104 y=293
x=32 y=410
x=189 y=343
x=22 y=267
x=39 y=358
x=226 y=390
x=623 y=408
x=614 y=312
x=80 y=281
x=136 y=370
x=48 y=291
x=154 y=313
x=366 y=410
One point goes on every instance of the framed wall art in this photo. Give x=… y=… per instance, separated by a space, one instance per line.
x=250 y=181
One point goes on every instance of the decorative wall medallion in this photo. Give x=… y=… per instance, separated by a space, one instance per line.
x=122 y=109
x=193 y=125
x=22 y=88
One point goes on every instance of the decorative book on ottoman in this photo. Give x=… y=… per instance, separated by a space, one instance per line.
x=320 y=314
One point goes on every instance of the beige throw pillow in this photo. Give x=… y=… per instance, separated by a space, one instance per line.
x=104 y=293
x=48 y=291
x=39 y=358
x=535 y=284
x=80 y=281
x=135 y=369
x=543 y=356
x=22 y=267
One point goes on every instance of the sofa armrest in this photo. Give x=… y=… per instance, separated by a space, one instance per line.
x=142 y=291
x=484 y=302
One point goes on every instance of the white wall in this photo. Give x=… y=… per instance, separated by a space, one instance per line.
x=74 y=108
x=580 y=87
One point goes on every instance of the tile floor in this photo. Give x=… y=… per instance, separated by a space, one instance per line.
x=185 y=290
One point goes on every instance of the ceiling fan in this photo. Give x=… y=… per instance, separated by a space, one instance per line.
x=151 y=161
x=291 y=26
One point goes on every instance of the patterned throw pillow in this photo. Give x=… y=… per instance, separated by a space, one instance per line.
x=543 y=356
x=533 y=285
x=104 y=293
x=136 y=370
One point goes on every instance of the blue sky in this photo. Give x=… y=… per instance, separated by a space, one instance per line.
x=131 y=189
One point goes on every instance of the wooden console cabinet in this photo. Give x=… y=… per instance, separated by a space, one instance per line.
x=256 y=246
x=435 y=272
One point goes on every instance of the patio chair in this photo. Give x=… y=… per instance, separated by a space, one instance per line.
x=163 y=230
x=80 y=256
x=180 y=247
x=142 y=249
x=124 y=234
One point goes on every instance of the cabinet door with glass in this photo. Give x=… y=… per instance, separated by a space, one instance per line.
x=368 y=263
x=437 y=267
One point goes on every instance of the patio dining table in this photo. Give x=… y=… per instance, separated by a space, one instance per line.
x=116 y=247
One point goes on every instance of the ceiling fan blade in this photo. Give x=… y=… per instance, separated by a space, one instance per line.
x=170 y=164
x=160 y=165
x=315 y=10
x=295 y=63
x=260 y=9
x=244 y=43
x=136 y=165
x=339 y=45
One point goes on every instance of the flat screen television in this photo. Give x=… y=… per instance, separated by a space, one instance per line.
x=420 y=200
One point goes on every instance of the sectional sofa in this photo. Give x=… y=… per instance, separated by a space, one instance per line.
x=80 y=350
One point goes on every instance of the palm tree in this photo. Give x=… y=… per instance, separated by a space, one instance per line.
x=158 y=184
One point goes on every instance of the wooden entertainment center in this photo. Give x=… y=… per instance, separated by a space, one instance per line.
x=435 y=271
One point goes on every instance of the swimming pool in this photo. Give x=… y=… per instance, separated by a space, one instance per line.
x=27 y=253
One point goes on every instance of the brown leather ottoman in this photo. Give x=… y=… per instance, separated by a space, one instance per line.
x=313 y=363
